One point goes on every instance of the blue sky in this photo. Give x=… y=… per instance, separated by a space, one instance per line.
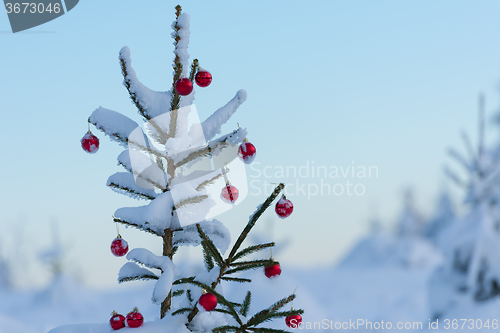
x=387 y=84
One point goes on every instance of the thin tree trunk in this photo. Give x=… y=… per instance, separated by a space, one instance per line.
x=167 y=252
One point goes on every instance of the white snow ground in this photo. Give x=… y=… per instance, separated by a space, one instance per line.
x=352 y=293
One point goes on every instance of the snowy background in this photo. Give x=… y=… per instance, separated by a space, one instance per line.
x=329 y=84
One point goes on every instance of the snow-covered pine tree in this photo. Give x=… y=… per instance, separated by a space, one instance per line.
x=471 y=269
x=178 y=190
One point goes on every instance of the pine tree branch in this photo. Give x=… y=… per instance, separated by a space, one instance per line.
x=208 y=182
x=176 y=98
x=236 y=304
x=214 y=147
x=149 y=265
x=183 y=280
x=189 y=297
x=174 y=104
x=214 y=253
x=205 y=151
x=259 y=262
x=207 y=258
x=228 y=278
x=131 y=191
x=139 y=277
x=190 y=201
x=222 y=311
x=194 y=69
x=178 y=293
x=181 y=310
x=246 y=304
x=162 y=136
x=249 y=266
x=252 y=249
x=135 y=225
x=133 y=96
x=156 y=185
x=150 y=150
x=262 y=315
x=253 y=219
x=159 y=162
x=273 y=315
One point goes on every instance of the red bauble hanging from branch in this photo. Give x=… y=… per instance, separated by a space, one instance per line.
x=284 y=207
x=272 y=271
x=90 y=143
x=203 y=78
x=247 y=152
x=117 y=321
x=119 y=246
x=208 y=301
x=229 y=193
x=134 y=318
x=184 y=86
x=293 y=321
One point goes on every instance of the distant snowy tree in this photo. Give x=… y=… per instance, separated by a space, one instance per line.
x=472 y=244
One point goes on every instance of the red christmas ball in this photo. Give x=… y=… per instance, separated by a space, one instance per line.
x=229 y=194
x=134 y=318
x=184 y=86
x=119 y=247
x=208 y=301
x=247 y=152
x=293 y=321
x=90 y=143
x=203 y=78
x=117 y=321
x=284 y=207
x=272 y=271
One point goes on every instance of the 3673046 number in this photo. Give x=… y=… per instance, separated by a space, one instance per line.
x=470 y=324
x=32 y=8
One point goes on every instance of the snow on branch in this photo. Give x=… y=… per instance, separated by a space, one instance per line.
x=212 y=125
x=153 y=231
x=148 y=259
x=154 y=217
x=124 y=160
x=164 y=284
x=182 y=44
x=214 y=229
x=150 y=103
x=117 y=126
x=124 y=183
x=167 y=267
x=131 y=271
